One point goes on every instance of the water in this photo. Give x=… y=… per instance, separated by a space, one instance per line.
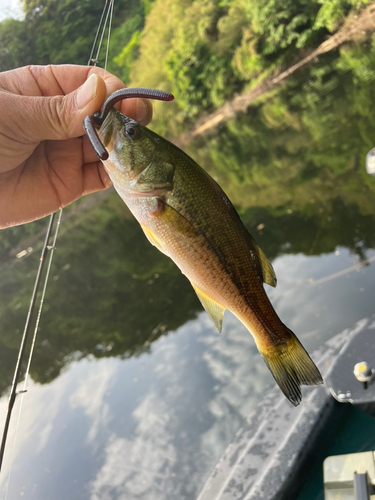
x=134 y=395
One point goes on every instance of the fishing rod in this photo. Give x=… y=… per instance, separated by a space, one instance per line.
x=107 y=13
x=21 y=352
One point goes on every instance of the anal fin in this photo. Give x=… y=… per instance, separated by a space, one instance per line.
x=268 y=272
x=213 y=309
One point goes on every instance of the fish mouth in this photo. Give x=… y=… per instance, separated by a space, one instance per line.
x=110 y=130
x=107 y=129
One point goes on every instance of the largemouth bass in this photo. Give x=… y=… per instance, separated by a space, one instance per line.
x=187 y=216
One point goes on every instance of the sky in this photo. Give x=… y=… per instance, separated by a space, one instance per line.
x=10 y=8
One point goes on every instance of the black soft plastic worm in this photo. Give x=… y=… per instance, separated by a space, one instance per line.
x=92 y=122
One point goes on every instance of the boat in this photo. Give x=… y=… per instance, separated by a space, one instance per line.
x=279 y=452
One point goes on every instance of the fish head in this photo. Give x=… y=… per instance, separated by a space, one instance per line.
x=129 y=144
x=140 y=161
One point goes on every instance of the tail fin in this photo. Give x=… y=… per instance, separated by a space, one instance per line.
x=291 y=367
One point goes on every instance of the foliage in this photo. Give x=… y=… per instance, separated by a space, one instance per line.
x=127 y=55
x=197 y=68
x=62 y=31
x=334 y=11
x=203 y=50
x=16 y=45
x=298 y=148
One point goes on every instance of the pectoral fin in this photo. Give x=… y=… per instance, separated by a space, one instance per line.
x=174 y=219
x=268 y=272
x=214 y=310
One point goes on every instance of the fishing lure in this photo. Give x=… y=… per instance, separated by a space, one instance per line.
x=92 y=122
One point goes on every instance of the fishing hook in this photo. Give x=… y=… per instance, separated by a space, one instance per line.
x=92 y=122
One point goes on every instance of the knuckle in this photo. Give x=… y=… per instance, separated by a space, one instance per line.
x=58 y=114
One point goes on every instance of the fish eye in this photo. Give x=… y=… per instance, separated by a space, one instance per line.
x=131 y=131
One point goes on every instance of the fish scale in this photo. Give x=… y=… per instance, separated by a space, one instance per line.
x=187 y=216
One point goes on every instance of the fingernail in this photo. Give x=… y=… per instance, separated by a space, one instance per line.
x=87 y=92
x=141 y=110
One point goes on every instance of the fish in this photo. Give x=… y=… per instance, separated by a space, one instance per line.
x=188 y=217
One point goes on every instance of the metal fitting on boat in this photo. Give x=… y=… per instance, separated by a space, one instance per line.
x=363 y=372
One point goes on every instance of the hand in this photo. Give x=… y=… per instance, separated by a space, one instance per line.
x=45 y=163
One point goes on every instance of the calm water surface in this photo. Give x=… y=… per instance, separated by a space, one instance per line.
x=134 y=395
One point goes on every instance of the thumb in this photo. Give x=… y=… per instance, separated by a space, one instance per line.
x=64 y=114
x=60 y=117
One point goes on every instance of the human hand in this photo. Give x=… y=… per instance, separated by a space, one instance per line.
x=45 y=162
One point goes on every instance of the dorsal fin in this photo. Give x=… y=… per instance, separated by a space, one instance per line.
x=214 y=310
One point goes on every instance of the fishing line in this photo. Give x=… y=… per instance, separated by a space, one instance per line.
x=52 y=249
x=96 y=59
x=91 y=60
x=107 y=11
x=24 y=390
x=21 y=352
x=109 y=34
